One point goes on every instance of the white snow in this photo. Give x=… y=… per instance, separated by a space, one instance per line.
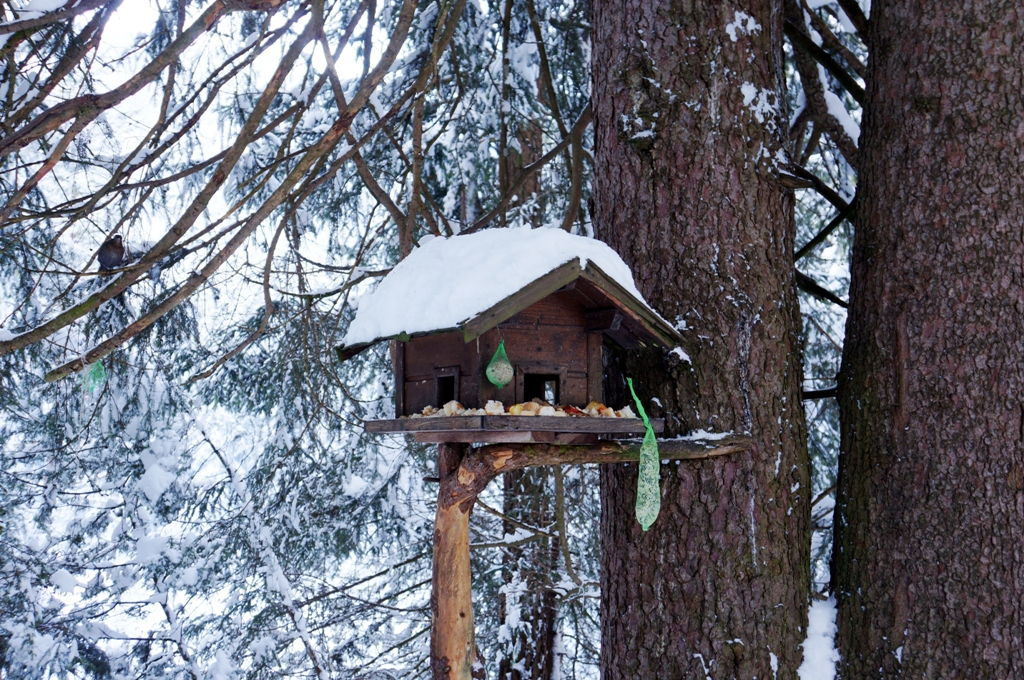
x=845 y=22
x=838 y=109
x=683 y=356
x=43 y=5
x=63 y=579
x=222 y=668
x=705 y=435
x=820 y=654
x=189 y=577
x=157 y=478
x=742 y=23
x=150 y=548
x=355 y=486
x=839 y=112
x=6 y=335
x=801 y=104
x=760 y=102
x=449 y=281
x=525 y=60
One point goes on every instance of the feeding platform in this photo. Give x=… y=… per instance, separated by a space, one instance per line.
x=546 y=301
x=515 y=429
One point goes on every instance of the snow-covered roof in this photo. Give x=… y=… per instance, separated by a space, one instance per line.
x=448 y=281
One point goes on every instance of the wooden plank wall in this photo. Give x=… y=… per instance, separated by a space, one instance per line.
x=546 y=337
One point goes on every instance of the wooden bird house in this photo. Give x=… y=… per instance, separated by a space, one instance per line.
x=499 y=338
x=549 y=299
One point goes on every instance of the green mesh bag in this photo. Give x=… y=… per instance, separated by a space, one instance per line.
x=93 y=377
x=648 y=484
x=500 y=371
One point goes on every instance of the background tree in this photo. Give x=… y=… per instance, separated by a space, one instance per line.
x=204 y=483
x=211 y=452
x=690 y=140
x=928 y=564
x=826 y=57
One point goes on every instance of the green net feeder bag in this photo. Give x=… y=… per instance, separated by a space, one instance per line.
x=648 y=484
x=500 y=371
x=93 y=377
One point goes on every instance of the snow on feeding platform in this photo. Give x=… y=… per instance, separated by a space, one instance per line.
x=448 y=281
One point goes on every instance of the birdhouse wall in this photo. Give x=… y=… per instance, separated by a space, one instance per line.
x=548 y=338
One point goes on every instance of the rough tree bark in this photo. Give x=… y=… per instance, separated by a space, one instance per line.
x=688 y=145
x=929 y=550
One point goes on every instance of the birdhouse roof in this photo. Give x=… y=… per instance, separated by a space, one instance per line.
x=472 y=283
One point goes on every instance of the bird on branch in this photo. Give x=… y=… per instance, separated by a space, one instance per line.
x=111 y=253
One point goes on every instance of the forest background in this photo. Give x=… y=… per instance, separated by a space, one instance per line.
x=187 y=491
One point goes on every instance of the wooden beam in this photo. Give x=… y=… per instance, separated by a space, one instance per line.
x=624 y=337
x=570 y=424
x=637 y=311
x=346 y=353
x=436 y=423
x=481 y=465
x=595 y=367
x=506 y=437
x=398 y=364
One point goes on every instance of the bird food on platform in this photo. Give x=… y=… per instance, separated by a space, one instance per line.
x=535 y=407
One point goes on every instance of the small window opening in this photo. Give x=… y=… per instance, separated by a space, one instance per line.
x=445 y=389
x=541 y=386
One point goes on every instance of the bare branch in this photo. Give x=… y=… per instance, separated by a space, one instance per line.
x=315 y=154
x=514 y=522
x=82 y=44
x=819 y=238
x=814 y=88
x=834 y=42
x=268 y=311
x=812 y=287
x=812 y=181
x=52 y=17
x=184 y=223
x=857 y=17
x=88 y=107
x=563 y=539
x=581 y=123
x=802 y=41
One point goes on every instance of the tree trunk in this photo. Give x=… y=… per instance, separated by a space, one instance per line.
x=929 y=566
x=452 y=641
x=689 y=140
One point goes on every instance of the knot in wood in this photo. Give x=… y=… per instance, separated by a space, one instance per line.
x=465 y=476
x=499 y=460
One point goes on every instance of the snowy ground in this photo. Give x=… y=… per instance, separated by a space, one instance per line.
x=820 y=654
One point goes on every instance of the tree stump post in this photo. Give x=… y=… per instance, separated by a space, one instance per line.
x=452 y=640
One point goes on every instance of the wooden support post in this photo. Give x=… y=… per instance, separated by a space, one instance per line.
x=463 y=473
x=452 y=640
